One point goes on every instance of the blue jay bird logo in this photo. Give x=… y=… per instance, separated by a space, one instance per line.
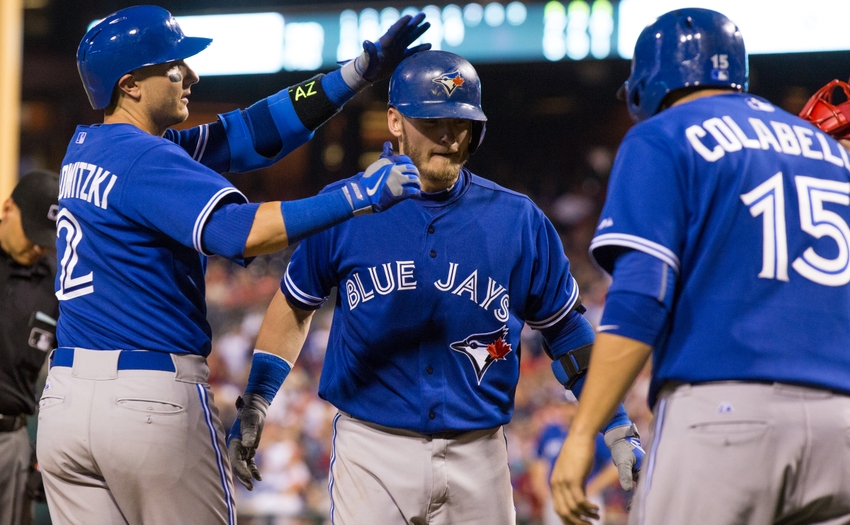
x=484 y=349
x=449 y=81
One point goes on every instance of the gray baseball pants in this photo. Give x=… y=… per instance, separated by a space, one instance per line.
x=737 y=453
x=387 y=476
x=127 y=445
x=14 y=471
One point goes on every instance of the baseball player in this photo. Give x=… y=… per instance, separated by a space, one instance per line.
x=726 y=232
x=128 y=432
x=423 y=357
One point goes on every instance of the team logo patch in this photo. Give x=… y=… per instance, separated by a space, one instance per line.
x=484 y=349
x=449 y=81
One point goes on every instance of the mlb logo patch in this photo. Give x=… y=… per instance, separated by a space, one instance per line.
x=53 y=212
x=81 y=137
x=720 y=74
x=449 y=81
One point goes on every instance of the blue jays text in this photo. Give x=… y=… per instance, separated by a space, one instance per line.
x=402 y=278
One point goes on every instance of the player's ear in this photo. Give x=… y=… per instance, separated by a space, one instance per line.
x=394 y=123
x=128 y=85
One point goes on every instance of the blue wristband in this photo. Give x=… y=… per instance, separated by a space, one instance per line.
x=336 y=89
x=306 y=217
x=268 y=372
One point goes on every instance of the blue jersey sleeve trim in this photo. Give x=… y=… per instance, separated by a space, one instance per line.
x=306 y=300
x=633 y=315
x=560 y=314
x=203 y=138
x=636 y=243
x=198 y=230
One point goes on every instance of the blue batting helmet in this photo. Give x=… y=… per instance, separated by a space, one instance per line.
x=127 y=40
x=684 y=48
x=439 y=84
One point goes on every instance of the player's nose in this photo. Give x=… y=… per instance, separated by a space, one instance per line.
x=190 y=77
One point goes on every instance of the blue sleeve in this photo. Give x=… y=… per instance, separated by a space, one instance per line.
x=640 y=298
x=167 y=191
x=288 y=131
x=553 y=292
x=574 y=332
x=206 y=144
x=645 y=209
x=310 y=276
x=227 y=229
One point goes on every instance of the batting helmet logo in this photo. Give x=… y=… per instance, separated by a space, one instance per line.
x=449 y=81
x=484 y=349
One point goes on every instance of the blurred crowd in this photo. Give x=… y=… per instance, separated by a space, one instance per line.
x=295 y=451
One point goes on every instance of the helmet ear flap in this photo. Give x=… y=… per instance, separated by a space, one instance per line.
x=479 y=127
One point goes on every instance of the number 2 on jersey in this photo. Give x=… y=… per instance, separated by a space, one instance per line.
x=70 y=286
x=768 y=200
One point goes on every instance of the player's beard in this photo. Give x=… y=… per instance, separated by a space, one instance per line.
x=441 y=171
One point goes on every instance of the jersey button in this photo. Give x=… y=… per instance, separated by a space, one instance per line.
x=433 y=253
x=430 y=229
x=429 y=370
x=431 y=415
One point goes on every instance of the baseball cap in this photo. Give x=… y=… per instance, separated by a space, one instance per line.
x=37 y=196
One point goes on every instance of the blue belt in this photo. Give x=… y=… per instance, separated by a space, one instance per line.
x=127 y=359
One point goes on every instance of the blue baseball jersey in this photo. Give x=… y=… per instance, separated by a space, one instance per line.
x=749 y=205
x=432 y=297
x=132 y=207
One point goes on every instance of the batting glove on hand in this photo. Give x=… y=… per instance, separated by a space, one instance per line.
x=626 y=453
x=379 y=59
x=244 y=438
x=387 y=181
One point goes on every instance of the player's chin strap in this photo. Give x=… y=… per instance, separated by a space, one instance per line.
x=830 y=118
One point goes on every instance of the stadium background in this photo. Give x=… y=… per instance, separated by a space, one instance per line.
x=552 y=133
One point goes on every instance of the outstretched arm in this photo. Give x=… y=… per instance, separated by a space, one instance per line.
x=241 y=230
x=262 y=134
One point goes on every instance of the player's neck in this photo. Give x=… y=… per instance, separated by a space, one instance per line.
x=125 y=115
x=702 y=93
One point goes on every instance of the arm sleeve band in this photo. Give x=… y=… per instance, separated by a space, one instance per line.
x=268 y=372
x=263 y=131
x=635 y=316
x=306 y=217
x=227 y=229
x=644 y=274
x=288 y=128
x=312 y=104
x=568 y=345
x=336 y=89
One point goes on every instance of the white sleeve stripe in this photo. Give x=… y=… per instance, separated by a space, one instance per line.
x=637 y=243
x=197 y=232
x=203 y=133
x=206 y=141
x=300 y=295
x=560 y=314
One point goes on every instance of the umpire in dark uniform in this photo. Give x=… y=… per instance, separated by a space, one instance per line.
x=28 y=312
